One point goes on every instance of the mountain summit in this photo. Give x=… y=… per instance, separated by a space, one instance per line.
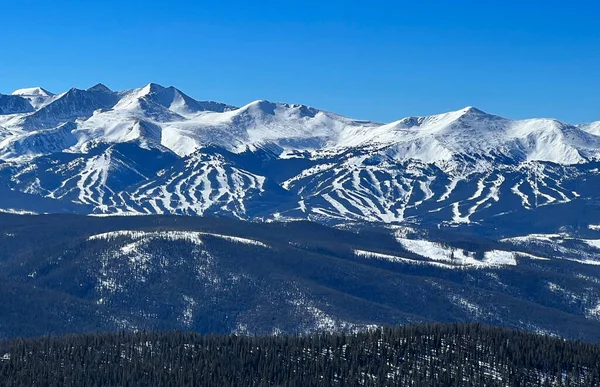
x=33 y=91
x=100 y=88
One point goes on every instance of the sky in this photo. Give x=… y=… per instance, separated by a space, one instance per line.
x=369 y=59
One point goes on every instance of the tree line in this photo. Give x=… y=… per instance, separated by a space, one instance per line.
x=418 y=355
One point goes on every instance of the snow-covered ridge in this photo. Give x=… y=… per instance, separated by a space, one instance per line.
x=559 y=246
x=235 y=239
x=156 y=150
x=33 y=91
x=449 y=255
x=396 y=259
x=189 y=236
x=185 y=125
x=37 y=96
x=442 y=257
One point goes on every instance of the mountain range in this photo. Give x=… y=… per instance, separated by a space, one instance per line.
x=461 y=216
x=156 y=150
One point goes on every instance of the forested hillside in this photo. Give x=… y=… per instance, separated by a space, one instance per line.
x=62 y=274
x=421 y=355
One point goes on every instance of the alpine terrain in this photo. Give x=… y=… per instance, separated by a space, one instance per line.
x=300 y=219
x=155 y=150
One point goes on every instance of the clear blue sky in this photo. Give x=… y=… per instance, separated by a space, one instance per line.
x=379 y=60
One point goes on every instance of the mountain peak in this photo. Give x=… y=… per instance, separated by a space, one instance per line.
x=472 y=110
x=268 y=107
x=33 y=91
x=152 y=88
x=261 y=106
x=100 y=88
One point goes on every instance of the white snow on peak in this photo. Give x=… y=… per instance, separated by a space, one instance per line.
x=472 y=132
x=132 y=96
x=142 y=91
x=258 y=123
x=33 y=91
x=185 y=125
x=38 y=97
x=168 y=98
x=592 y=128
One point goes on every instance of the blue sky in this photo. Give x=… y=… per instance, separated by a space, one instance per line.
x=379 y=60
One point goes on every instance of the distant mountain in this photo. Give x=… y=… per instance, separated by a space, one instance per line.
x=276 y=161
x=37 y=96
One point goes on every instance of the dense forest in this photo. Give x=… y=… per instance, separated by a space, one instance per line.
x=416 y=355
x=226 y=276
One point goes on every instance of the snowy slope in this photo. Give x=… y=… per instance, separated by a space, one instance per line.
x=37 y=96
x=592 y=128
x=187 y=124
x=155 y=149
x=471 y=132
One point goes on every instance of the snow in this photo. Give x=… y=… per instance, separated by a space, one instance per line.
x=456 y=215
x=190 y=236
x=561 y=245
x=534 y=237
x=37 y=96
x=438 y=138
x=592 y=128
x=438 y=252
x=431 y=139
x=593 y=313
x=16 y=212
x=585 y=261
x=425 y=187
x=358 y=170
x=234 y=239
x=592 y=242
x=188 y=311
x=396 y=259
x=206 y=184
x=471 y=308
x=548 y=140
x=32 y=91
x=531 y=256
x=133 y=251
x=524 y=198
x=499 y=257
x=493 y=195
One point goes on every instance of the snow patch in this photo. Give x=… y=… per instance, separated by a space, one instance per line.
x=500 y=258
x=189 y=236
x=438 y=252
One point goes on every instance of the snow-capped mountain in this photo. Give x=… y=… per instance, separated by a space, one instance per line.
x=157 y=150
x=36 y=96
